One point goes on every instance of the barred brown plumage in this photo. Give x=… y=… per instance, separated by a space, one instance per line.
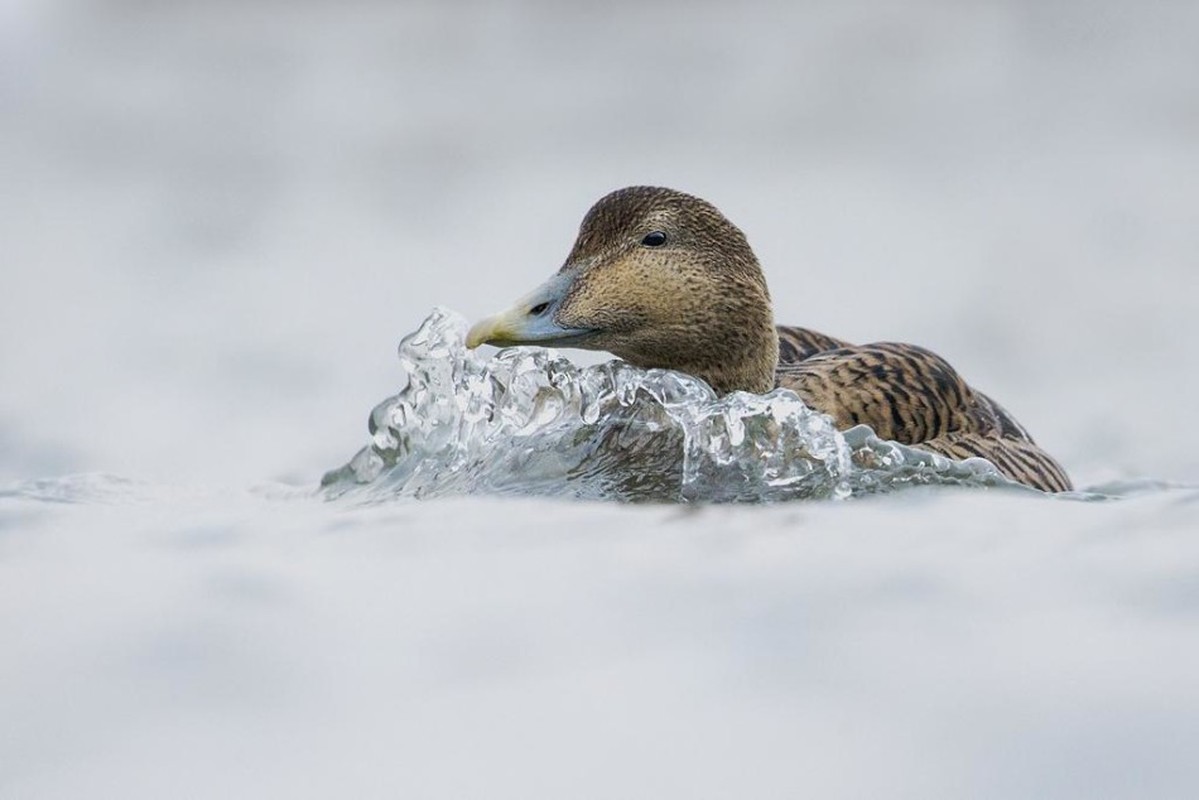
x=694 y=299
x=911 y=395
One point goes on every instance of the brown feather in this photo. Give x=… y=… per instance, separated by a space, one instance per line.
x=911 y=395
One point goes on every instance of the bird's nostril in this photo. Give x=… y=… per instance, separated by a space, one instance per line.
x=538 y=310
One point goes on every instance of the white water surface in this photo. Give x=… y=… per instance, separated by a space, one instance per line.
x=218 y=220
x=262 y=644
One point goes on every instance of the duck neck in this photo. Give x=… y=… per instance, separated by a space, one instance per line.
x=746 y=362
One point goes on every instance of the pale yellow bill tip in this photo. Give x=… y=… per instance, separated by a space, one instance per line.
x=481 y=332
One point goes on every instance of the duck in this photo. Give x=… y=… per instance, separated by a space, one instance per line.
x=662 y=279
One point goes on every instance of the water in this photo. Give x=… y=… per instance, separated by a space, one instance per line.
x=164 y=640
x=529 y=422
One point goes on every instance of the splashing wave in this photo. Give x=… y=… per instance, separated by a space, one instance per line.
x=529 y=422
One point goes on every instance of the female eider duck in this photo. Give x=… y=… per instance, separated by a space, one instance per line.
x=662 y=279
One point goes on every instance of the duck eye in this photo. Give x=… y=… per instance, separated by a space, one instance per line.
x=539 y=309
x=654 y=239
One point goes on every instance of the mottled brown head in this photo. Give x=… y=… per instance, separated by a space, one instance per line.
x=661 y=279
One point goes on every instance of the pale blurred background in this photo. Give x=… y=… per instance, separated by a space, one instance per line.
x=218 y=218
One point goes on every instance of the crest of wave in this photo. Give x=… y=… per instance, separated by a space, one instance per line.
x=529 y=422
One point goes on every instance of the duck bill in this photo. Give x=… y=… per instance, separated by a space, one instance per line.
x=531 y=320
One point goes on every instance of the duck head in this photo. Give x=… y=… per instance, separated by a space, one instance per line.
x=661 y=279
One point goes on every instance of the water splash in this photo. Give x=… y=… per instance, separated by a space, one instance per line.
x=529 y=422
